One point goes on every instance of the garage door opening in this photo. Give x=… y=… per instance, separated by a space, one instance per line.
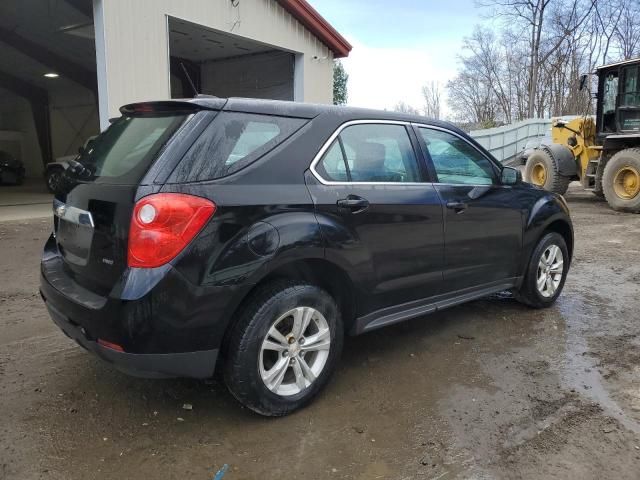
x=226 y=65
x=48 y=96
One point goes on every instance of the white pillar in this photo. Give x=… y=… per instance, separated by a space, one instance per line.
x=298 y=78
x=101 y=63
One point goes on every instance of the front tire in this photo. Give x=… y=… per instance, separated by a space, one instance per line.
x=546 y=272
x=283 y=348
x=542 y=170
x=54 y=179
x=621 y=181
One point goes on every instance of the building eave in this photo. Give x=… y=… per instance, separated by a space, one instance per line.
x=316 y=24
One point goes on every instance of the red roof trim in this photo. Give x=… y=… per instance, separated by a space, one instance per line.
x=310 y=18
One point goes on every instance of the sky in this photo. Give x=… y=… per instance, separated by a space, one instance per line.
x=399 y=45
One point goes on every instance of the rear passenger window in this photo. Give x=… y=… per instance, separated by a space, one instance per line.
x=233 y=141
x=332 y=166
x=371 y=152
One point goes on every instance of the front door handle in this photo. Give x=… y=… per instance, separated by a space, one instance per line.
x=353 y=203
x=459 y=207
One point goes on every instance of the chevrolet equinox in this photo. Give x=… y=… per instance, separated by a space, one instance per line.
x=255 y=234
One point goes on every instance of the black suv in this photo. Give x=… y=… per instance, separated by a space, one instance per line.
x=259 y=233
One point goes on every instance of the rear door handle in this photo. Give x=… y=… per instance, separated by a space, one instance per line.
x=459 y=207
x=353 y=203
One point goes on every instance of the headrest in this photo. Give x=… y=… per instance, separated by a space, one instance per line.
x=369 y=156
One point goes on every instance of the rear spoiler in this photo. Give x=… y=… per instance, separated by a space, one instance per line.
x=172 y=106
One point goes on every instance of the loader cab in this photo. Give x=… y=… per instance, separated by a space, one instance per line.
x=618 y=99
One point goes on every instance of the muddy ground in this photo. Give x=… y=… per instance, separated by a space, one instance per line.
x=486 y=390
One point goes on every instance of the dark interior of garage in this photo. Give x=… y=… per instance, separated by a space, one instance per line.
x=48 y=86
x=225 y=65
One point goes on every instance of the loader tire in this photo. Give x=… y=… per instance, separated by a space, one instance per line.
x=621 y=181
x=542 y=170
x=599 y=191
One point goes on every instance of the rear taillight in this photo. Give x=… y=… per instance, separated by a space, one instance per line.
x=110 y=345
x=163 y=224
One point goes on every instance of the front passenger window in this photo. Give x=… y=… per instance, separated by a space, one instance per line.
x=456 y=161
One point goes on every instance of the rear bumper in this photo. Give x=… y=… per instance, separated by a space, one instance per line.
x=199 y=364
x=166 y=326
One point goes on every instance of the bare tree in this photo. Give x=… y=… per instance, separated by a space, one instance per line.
x=531 y=65
x=627 y=31
x=471 y=100
x=403 y=107
x=606 y=18
x=432 y=100
x=534 y=16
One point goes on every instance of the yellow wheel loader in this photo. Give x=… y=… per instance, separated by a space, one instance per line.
x=604 y=155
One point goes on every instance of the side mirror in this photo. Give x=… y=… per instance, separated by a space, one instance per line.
x=583 y=81
x=510 y=176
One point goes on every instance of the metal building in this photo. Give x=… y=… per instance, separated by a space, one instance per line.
x=68 y=65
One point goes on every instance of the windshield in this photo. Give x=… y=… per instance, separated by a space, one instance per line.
x=125 y=151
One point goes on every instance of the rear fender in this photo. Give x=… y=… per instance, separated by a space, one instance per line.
x=245 y=256
x=341 y=252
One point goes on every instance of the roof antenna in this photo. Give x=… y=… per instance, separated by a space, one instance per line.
x=186 y=74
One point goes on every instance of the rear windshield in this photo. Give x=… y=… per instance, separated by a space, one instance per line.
x=231 y=142
x=124 y=152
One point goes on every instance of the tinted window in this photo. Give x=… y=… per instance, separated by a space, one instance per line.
x=631 y=93
x=231 y=142
x=378 y=153
x=124 y=152
x=332 y=166
x=455 y=160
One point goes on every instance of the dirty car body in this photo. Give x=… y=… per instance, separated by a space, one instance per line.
x=387 y=248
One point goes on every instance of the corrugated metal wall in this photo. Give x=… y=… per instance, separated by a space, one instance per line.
x=135 y=42
x=265 y=75
x=507 y=141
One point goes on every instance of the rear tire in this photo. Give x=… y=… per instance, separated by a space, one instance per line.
x=621 y=181
x=542 y=170
x=272 y=368
x=546 y=272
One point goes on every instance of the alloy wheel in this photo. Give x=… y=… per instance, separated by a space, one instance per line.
x=550 y=269
x=294 y=351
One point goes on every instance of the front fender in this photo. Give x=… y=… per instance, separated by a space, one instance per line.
x=544 y=215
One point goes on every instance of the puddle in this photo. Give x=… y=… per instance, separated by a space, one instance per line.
x=579 y=370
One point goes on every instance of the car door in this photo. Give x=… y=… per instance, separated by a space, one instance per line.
x=482 y=221
x=380 y=218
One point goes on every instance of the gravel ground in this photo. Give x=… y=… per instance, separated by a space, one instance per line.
x=486 y=390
